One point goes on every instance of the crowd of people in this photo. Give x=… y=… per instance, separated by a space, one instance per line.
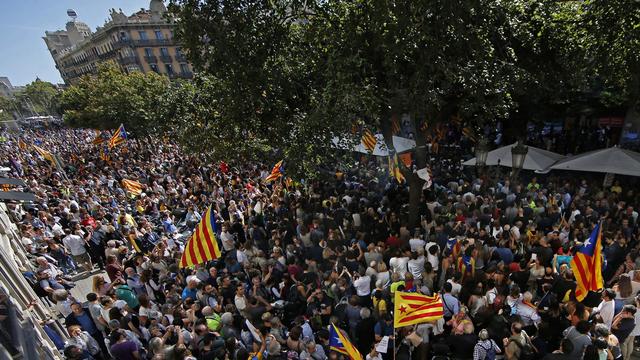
x=298 y=257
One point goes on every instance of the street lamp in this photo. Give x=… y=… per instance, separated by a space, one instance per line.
x=518 y=154
x=482 y=152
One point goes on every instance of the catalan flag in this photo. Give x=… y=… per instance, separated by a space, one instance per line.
x=133 y=187
x=104 y=154
x=339 y=342
x=469 y=133
x=22 y=145
x=45 y=154
x=276 y=172
x=394 y=168
x=395 y=125
x=369 y=141
x=99 y=139
x=586 y=265
x=202 y=246
x=118 y=137
x=5 y=187
x=414 y=308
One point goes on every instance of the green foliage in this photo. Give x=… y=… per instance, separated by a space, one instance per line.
x=612 y=37
x=112 y=97
x=37 y=98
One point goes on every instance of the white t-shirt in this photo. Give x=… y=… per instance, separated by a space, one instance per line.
x=75 y=244
x=399 y=265
x=433 y=259
x=455 y=288
x=607 y=311
x=416 y=244
x=362 y=285
x=416 y=267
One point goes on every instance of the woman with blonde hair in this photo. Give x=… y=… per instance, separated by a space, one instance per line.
x=100 y=286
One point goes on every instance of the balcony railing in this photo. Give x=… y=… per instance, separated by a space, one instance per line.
x=186 y=75
x=181 y=58
x=127 y=60
x=166 y=58
x=151 y=59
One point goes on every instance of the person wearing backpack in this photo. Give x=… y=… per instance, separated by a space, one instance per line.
x=486 y=348
x=518 y=346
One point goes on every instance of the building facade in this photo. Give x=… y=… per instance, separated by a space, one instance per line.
x=142 y=42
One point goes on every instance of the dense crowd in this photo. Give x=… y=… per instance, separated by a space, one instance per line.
x=298 y=257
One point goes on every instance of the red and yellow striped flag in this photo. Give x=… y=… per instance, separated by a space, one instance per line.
x=276 y=172
x=118 y=137
x=202 y=245
x=469 y=133
x=369 y=141
x=586 y=265
x=22 y=145
x=132 y=186
x=414 y=308
x=44 y=153
x=395 y=125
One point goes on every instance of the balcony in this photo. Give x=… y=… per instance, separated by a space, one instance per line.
x=151 y=59
x=152 y=42
x=181 y=58
x=166 y=58
x=127 y=60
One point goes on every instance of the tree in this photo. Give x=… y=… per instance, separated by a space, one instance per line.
x=111 y=97
x=37 y=98
x=612 y=39
x=294 y=75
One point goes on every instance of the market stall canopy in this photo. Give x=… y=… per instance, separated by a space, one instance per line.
x=536 y=159
x=612 y=160
x=399 y=143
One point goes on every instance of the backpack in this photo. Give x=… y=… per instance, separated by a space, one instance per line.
x=490 y=352
x=527 y=351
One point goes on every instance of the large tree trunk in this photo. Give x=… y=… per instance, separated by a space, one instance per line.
x=413 y=181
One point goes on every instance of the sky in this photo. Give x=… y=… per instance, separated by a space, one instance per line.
x=23 y=53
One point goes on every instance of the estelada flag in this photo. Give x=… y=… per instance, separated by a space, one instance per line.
x=586 y=265
x=276 y=172
x=414 y=308
x=119 y=136
x=132 y=186
x=44 y=153
x=202 y=245
x=369 y=141
x=339 y=342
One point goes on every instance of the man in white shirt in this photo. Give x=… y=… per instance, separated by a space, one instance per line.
x=433 y=250
x=455 y=286
x=77 y=247
x=228 y=241
x=416 y=264
x=527 y=311
x=607 y=307
x=362 y=284
x=399 y=265
x=416 y=242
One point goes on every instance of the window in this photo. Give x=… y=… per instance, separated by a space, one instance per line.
x=169 y=69
x=148 y=52
x=184 y=68
x=164 y=52
x=143 y=35
x=123 y=35
x=154 y=68
x=179 y=51
x=159 y=35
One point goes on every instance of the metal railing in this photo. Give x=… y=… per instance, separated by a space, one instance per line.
x=151 y=59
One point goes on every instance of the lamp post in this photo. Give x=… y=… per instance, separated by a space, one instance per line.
x=482 y=152
x=518 y=154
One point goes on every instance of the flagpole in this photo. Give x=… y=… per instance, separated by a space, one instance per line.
x=394 y=342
